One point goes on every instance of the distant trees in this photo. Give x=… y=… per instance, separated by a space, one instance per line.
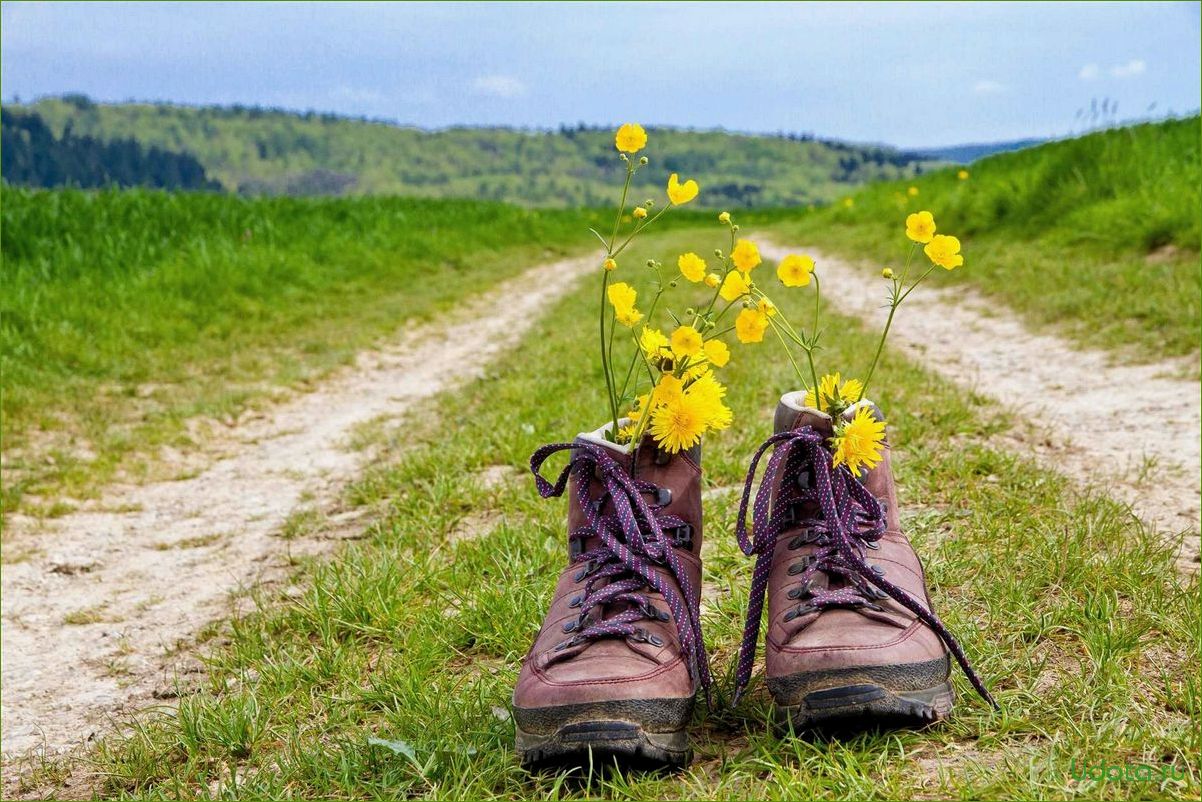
x=31 y=155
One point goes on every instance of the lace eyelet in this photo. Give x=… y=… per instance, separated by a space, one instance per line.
x=662 y=615
x=655 y=640
x=663 y=496
x=571 y=626
x=576 y=602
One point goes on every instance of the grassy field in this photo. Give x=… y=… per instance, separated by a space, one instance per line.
x=1098 y=236
x=1070 y=609
x=126 y=313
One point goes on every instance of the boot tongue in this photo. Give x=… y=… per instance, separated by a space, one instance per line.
x=791 y=413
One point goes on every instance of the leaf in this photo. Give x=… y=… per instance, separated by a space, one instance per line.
x=396 y=747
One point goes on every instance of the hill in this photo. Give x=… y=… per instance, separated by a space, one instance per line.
x=968 y=153
x=264 y=151
x=31 y=155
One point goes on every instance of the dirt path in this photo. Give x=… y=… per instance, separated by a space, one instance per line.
x=92 y=624
x=1132 y=430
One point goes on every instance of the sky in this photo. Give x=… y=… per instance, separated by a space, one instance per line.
x=908 y=74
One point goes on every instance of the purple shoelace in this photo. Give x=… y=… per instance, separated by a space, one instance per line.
x=852 y=519
x=634 y=537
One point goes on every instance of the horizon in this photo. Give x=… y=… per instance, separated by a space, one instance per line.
x=438 y=65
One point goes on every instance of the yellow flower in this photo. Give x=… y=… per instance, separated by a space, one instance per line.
x=670 y=388
x=716 y=352
x=794 y=270
x=626 y=433
x=944 y=251
x=679 y=423
x=610 y=264
x=631 y=138
x=745 y=255
x=629 y=317
x=920 y=226
x=622 y=295
x=691 y=266
x=708 y=392
x=686 y=342
x=766 y=307
x=679 y=193
x=962 y=175
x=639 y=213
x=652 y=341
x=830 y=387
x=887 y=272
x=849 y=202
x=912 y=192
x=750 y=326
x=724 y=217
x=711 y=280
x=858 y=441
x=734 y=286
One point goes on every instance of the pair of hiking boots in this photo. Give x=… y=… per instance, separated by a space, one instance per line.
x=620 y=658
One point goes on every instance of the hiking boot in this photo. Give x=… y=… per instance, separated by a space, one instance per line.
x=852 y=638
x=617 y=664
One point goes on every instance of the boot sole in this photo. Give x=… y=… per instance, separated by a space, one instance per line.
x=649 y=734
x=912 y=695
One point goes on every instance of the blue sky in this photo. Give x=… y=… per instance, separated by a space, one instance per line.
x=910 y=74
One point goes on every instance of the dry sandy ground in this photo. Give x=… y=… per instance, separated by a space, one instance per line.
x=1133 y=430
x=150 y=576
x=155 y=575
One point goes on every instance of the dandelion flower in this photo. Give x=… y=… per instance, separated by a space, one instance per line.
x=679 y=423
x=686 y=342
x=912 y=192
x=724 y=217
x=716 y=352
x=734 y=286
x=962 y=175
x=679 y=193
x=652 y=341
x=745 y=255
x=712 y=280
x=920 y=226
x=669 y=389
x=831 y=387
x=944 y=251
x=709 y=392
x=750 y=326
x=795 y=270
x=691 y=266
x=858 y=442
x=631 y=138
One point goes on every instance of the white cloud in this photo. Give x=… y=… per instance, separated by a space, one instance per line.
x=1131 y=68
x=1089 y=72
x=502 y=86
x=988 y=87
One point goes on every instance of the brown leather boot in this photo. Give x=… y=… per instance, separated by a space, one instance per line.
x=852 y=639
x=619 y=659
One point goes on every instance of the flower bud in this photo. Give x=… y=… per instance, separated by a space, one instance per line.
x=648 y=203
x=651 y=263
x=609 y=264
x=718 y=252
x=623 y=157
x=643 y=160
x=724 y=217
x=639 y=213
x=712 y=280
x=690 y=311
x=672 y=283
x=734 y=228
x=887 y=272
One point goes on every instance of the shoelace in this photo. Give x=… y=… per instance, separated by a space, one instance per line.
x=633 y=538
x=852 y=519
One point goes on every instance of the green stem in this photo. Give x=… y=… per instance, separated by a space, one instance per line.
x=609 y=383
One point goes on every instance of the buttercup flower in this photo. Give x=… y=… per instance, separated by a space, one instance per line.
x=669 y=389
x=679 y=193
x=920 y=226
x=831 y=387
x=622 y=295
x=766 y=307
x=944 y=251
x=652 y=341
x=858 y=442
x=962 y=175
x=631 y=138
x=711 y=280
x=629 y=317
x=639 y=212
x=716 y=352
x=691 y=266
x=795 y=270
x=610 y=264
x=745 y=255
x=734 y=286
x=750 y=326
x=912 y=191
x=686 y=342
x=724 y=217
x=679 y=423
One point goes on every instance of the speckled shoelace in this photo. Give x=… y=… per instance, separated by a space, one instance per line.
x=851 y=520
x=633 y=537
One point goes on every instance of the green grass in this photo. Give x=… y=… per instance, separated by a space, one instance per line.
x=1097 y=237
x=126 y=313
x=1069 y=608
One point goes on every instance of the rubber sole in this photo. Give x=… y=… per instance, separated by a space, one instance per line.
x=635 y=733
x=913 y=695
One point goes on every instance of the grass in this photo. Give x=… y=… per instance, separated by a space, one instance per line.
x=124 y=314
x=1096 y=237
x=391 y=676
